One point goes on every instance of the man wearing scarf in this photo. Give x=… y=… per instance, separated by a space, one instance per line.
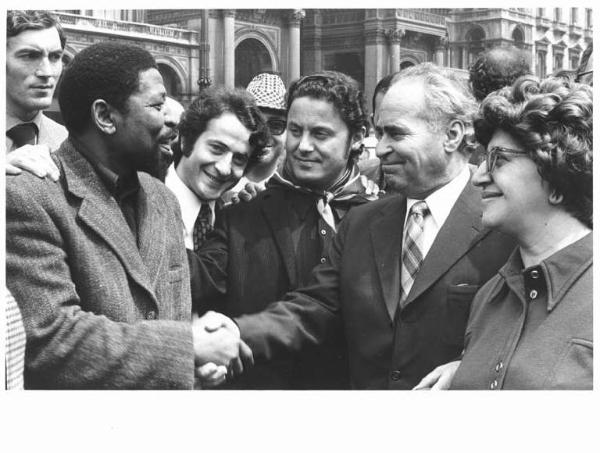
x=262 y=249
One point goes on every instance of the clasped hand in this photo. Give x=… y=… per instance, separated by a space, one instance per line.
x=219 y=352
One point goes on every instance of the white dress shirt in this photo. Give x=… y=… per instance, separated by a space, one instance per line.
x=440 y=203
x=189 y=203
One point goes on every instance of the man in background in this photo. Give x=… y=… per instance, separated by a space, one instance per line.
x=35 y=42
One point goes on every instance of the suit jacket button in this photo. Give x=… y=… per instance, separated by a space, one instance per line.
x=151 y=315
x=395 y=375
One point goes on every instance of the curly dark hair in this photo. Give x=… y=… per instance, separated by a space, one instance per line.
x=18 y=21
x=553 y=120
x=212 y=103
x=339 y=89
x=497 y=68
x=108 y=71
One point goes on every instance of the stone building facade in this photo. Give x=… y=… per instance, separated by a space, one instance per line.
x=196 y=48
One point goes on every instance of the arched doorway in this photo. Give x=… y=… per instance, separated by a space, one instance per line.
x=251 y=58
x=171 y=80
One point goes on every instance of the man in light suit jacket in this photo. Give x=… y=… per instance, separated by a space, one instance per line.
x=97 y=262
x=403 y=311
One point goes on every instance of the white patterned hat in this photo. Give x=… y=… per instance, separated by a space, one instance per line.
x=268 y=90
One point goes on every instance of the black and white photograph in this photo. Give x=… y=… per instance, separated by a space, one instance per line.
x=333 y=228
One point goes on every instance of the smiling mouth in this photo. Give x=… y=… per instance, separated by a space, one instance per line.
x=214 y=180
x=306 y=161
x=487 y=195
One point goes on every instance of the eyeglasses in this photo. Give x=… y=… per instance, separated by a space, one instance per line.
x=277 y=127
x=492 y=154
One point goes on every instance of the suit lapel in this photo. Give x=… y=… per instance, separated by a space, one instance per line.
x=101 y=213
x=456 y=237
x=386 y=238
x=152 y=231
x=276 y=212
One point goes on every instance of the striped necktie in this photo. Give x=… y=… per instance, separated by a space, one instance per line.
x=202 y=226
x=412 y=250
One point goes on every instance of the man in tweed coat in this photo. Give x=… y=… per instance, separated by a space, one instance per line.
x=96 y=261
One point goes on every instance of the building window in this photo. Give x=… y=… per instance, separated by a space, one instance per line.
x=574 y=18
x=558 y=61
x=541 y=64
x=574 y=61
x=541 y=12
x=557 y=14
x=518 y=38
x=588 y=18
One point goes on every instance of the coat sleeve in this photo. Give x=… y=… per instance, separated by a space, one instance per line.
x=308 y=316
x=208 y=268
x=67 y=346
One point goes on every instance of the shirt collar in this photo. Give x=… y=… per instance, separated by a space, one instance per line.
x=13 y=121
x=560 y=270
x=189 y=202
x=441 y=201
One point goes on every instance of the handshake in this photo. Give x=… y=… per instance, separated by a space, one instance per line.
x=218 y=349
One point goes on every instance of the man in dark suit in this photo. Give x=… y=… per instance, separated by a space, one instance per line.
x=264 y=248
x=222 y=135
x=401 y=271
x=97 y=261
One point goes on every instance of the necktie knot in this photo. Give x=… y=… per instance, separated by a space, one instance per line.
x=23 y=134
x=420 y=208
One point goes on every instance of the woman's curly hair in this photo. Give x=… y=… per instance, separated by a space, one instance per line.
x=553 y=120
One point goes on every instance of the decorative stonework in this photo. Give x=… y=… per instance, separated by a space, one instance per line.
x=394 y=35
x=296 y=17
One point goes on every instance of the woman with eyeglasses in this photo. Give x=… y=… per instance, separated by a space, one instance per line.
x=530 y=326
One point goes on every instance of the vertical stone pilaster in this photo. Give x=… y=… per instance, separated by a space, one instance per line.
x=394 y=36
x=294 y=39
x=229 y=47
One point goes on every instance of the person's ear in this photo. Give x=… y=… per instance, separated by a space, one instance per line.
x=454 y=136
x=103 y=116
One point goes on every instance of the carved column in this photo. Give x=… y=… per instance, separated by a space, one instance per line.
x=294 y=27
x=394 y=36
x=229 y=47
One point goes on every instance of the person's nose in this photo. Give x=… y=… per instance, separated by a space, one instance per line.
x=306 y=144
x=47 y=69
x=383 y=148
x=481 y=177
x=223 y=165
x=171 y=120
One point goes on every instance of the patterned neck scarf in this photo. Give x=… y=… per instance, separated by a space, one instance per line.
x=344 y=193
